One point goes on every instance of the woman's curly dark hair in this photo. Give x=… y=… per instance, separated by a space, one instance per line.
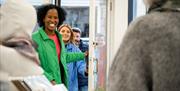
x=43 y=9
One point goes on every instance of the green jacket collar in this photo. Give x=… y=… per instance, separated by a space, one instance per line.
x=45 y=36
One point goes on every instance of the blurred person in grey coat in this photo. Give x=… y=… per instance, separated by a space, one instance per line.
x=18 y=58
x=149 y=56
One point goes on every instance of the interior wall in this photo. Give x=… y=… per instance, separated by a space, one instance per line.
x=118 y=25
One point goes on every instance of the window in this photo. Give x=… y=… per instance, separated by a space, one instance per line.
x=136 y=8
x=78 y=17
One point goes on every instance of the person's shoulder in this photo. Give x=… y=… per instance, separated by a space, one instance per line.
x=142 y=20
x=154 y=19
x=151 y=26
x=35 y=34
x=146 y=22
x=74 y=47
x=71 y=45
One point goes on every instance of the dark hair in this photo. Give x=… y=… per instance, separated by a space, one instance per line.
x=43 y=9
x=156 y=4
x=77 y=30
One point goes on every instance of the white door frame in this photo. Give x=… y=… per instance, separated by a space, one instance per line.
x=92 y=28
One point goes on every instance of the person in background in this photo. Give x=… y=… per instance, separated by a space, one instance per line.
x=75 y=69
x=83 y=81
x=51 y=49
x=77 y=39
x=149 y=56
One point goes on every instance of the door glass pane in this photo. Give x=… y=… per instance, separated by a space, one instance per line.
x=101 y=48
x=40 y=2
x=77 y=15
x=141 y=10
x=136 y=9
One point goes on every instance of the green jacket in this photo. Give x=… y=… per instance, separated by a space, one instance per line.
x=48 y=57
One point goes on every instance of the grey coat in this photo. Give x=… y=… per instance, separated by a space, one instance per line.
x=149 y=56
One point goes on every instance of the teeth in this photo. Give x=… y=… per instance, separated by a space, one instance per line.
x=52 y=25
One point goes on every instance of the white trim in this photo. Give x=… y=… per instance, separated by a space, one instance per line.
x=110 y=23
x=92 y=22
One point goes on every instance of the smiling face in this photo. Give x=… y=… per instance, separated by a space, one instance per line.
x=66 y=34
x=51 y=20
x=77 y=37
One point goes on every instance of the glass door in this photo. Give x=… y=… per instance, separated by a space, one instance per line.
x=91 y=17
x=98 y=47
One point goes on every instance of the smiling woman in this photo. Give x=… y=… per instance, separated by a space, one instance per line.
x=66 y=32
x=51 y=21
x=51 y=49
x=76 y=70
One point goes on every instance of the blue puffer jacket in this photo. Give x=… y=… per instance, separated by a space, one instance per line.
x=75 y=69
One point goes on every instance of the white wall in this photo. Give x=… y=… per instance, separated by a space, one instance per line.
x=39 y=2
x=121 y=22
x=118 y=22
x=76 y=3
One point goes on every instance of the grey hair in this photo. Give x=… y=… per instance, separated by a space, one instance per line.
x=76 y=29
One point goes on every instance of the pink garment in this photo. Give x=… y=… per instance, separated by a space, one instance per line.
x=57 y=43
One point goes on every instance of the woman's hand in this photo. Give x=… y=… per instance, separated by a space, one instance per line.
x=86 y=53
